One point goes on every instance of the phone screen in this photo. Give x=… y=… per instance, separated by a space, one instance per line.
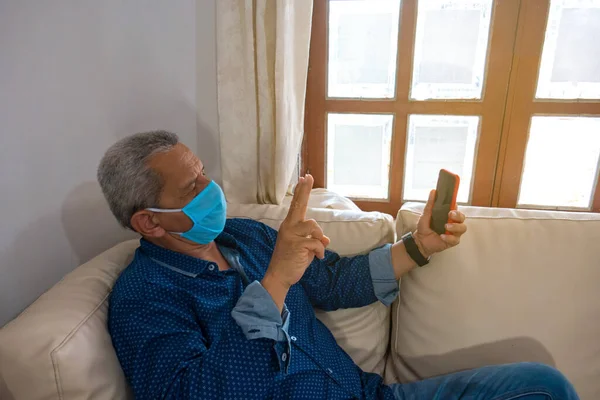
x=444 y=200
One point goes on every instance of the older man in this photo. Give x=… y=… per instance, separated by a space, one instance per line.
x=211 y=308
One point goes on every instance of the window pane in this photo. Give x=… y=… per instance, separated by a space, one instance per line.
x=561 y=162
x=358 y=154
x=450 y=49
x=363 y=42
x=570 y=66
x=436 y=142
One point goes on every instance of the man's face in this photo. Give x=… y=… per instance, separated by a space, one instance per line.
x=183 y=178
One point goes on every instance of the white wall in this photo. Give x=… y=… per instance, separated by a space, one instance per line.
x=75 y=76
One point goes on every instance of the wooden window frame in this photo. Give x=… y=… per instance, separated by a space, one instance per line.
x=517 y=30
x=522 y=105
x=495 y=90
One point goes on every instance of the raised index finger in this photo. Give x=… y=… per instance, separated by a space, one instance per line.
x=299 y=203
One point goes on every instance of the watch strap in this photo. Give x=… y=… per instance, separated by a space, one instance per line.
x=413 y=250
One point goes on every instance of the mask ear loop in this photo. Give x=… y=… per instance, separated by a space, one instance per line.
x=167 y=210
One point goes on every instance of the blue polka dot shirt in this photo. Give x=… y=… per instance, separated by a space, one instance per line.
x=183 y=329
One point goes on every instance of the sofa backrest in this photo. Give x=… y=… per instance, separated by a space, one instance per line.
x=59 y=347
x=522 y=286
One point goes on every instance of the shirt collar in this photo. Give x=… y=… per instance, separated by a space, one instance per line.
x=189 y=264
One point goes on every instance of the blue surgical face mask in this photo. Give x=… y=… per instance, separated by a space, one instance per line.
x=207 y=211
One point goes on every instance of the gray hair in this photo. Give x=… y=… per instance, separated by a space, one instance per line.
x=126 y=179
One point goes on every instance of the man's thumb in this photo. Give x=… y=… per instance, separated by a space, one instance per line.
x=428 y=210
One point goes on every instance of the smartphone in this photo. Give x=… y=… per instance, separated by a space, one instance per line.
x=445 y=200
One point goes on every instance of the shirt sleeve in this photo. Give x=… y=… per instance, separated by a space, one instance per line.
x=382 y=274
x=258 y=316
x=165 y=353
x=347 y=282
x=339 y=282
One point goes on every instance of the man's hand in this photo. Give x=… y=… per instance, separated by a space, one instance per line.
x=428 y=241
x=298 y=242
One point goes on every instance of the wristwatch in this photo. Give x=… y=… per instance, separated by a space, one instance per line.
x=413 y=250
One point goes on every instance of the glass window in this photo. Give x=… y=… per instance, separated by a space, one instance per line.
x=358 y=154
x=570 y=65
x=450 y=49
x=363 y=42
x=436 y=142
x=561 y=162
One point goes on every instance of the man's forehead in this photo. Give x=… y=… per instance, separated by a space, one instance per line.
x=176 y=161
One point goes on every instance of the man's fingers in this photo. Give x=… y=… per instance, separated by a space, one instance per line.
x=315 y=246
x=299 y=203
x=451 y=240
x=428 y=210
x=456 y=216
x=425 y=219
x=310 y=227
x=456 y=229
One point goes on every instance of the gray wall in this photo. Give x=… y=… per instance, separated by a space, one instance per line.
x=75 y=76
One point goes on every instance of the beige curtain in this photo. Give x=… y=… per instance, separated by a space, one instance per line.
x=262 y=57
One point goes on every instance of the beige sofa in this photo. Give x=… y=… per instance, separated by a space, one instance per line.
x=523 y=286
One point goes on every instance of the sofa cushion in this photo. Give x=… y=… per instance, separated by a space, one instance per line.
x=522 y=286
x=324 y=198
x=59 y=347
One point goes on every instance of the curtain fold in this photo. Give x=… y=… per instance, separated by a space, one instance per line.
x=262 y=65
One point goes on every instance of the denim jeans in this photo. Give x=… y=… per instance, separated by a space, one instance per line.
x=522 y=381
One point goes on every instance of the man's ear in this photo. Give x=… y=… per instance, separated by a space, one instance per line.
x=145 y=223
